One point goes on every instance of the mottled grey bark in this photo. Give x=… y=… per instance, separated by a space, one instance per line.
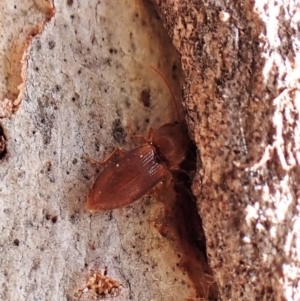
x=85 y=73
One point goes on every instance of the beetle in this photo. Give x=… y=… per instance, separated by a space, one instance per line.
x=136 y=172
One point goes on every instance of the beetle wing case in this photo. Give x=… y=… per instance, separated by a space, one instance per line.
x=127 y=179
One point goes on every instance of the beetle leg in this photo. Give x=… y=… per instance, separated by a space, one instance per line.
x=150 y=135
x=163 y=184
x=168 y=179
x=107 y=159
x=140 y=138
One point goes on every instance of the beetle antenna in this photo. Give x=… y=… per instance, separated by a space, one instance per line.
x=167 y=84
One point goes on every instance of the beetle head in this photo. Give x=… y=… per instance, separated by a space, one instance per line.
x=172 y=141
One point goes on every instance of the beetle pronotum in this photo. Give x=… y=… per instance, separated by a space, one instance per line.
x=135 y=173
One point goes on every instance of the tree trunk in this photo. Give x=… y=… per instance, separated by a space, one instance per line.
x=241 y=95
x=84 y=82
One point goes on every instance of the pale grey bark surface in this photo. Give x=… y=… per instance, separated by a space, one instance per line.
x=241 y=60
x=86 y=71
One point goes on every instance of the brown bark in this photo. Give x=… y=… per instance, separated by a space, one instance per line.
x=241 y=96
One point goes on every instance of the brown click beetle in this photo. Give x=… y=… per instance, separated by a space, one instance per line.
x=132 y=175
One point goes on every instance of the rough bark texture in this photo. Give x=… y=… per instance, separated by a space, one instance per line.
x=241 y=61
x=19 y=23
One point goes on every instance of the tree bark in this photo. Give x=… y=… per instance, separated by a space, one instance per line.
x=241 y=95
x=83 y=83
x=84 y=79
